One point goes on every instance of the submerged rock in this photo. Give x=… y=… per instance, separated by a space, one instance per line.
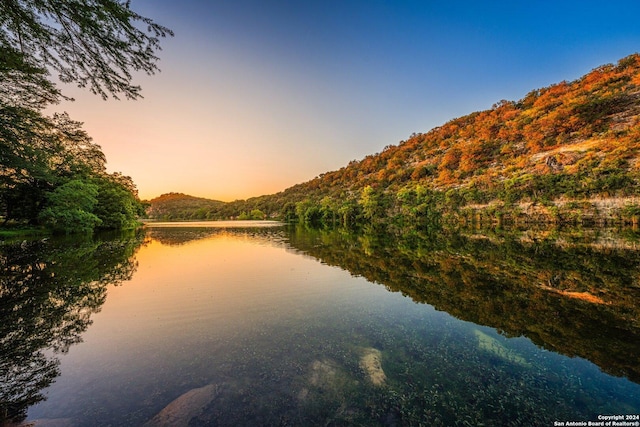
x=323 y=373
x=487 y=343
x=322 y=376
x=184 y=408
x=371 y=364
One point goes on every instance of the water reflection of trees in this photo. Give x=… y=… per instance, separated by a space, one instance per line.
x=183 y=235
x=48 y=291
x=577 y=299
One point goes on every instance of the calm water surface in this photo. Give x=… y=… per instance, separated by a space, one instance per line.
x=273 y=326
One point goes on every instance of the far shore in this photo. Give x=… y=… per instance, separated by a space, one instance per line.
x=153 y=223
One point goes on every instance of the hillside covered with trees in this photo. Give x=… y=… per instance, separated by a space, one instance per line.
x=181 y=206
x=563 y=153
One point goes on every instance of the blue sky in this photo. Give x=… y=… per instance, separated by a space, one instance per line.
x=256 y=96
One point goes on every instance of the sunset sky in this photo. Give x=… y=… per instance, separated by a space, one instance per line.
x=256 y=95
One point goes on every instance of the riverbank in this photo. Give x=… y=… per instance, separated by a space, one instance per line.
x=600 y=212
x=16 y=232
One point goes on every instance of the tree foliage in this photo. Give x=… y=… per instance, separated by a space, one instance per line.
x=117 y=204
x=178 y=206
x=572 y=140
x=70 y=207
x=49 y=167
x=97 y=44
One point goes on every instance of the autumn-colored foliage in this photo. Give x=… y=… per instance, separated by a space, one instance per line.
x=575 y=140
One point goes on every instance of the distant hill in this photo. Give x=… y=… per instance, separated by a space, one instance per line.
x=174 y=206
x=575 y=140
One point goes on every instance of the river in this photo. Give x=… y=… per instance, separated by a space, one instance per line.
x=267 y=324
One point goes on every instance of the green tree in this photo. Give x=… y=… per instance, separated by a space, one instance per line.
x=349 y=213
x=308 y=212
x=372 y=204
x=329 y=210
x=26 y=149
x=257 y=214
x=38 y=154
x=22 y=83
x=98 y=44
x=70 y=208
x=289 y=211
x=117 y=206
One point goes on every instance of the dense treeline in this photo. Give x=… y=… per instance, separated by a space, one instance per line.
x=51 y=173
x=178 y=206
x=520 y=161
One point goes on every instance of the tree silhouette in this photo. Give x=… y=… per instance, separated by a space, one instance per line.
x=95 y=43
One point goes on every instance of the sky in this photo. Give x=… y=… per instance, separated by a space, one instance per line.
x=255 y=96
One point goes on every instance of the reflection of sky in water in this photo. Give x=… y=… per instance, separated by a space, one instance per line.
x=256 y=318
